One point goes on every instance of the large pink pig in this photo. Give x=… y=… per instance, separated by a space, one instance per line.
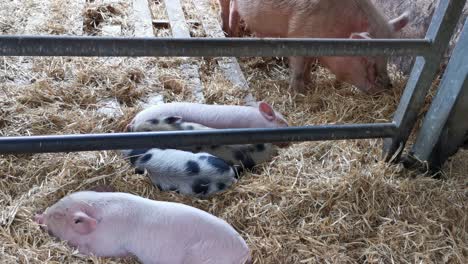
x=111 y=224
x=356 y=19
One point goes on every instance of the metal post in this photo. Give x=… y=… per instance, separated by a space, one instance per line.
x=440 y=30
x=445 y=124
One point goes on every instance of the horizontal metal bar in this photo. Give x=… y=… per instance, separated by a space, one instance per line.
x=90 y=142
x=206 y=47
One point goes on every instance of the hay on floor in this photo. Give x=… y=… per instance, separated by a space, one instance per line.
x=316 y=202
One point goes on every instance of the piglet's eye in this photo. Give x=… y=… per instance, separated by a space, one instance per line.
x=77 y=221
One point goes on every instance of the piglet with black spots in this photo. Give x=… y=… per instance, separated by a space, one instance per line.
x=260 y=115
x=113 y=224
x=245 y=155
x=199 y=174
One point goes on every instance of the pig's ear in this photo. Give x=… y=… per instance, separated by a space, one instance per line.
x=173 y=119
x=267 y=111
x=83 y=224
x=400 y=22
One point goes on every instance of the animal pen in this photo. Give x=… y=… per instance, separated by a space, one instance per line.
x=442 y=133
x=429 y=51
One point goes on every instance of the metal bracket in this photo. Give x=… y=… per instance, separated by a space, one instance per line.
x=445 y=126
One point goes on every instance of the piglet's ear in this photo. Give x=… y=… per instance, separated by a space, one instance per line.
x=83 y=224
x=400 y=22
x=267 y=111
x=173 y=119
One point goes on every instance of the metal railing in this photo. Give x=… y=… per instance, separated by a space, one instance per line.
x=428 y=50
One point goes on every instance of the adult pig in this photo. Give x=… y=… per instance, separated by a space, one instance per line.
x=356 y=19
x=114 y=224
x=421 y=12
x=215 y=116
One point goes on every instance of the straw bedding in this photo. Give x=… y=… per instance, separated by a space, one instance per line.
x=316 y=202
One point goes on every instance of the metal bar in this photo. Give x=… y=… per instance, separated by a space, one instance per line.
x=440 y=30
x=92 y=142
x=452 y=90
x=206 y=47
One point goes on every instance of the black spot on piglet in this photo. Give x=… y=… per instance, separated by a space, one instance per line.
x=154 y=121
x=135 y=154
x=139 y=171
x=201 y=186
x=239 y=155
x=246 y=160
x=221 y=186
x=219 y=164
x=192 y=167
x=260 y=147
x=146 y=158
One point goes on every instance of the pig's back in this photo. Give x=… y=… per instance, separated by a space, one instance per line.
x=194 y=234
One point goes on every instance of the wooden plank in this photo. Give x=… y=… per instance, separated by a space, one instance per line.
x=229 y=65
x=176 y=17
x=180 y=29
x=142 y=18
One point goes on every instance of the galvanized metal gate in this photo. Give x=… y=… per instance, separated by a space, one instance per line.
x=429 y=53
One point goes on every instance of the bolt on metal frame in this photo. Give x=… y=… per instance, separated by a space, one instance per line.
x=445 y=125
x=429 y=51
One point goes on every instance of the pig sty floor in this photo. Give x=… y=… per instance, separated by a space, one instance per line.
x=316 y=202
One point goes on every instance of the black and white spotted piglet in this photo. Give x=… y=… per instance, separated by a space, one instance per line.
x=188 y=173
x=245 y=155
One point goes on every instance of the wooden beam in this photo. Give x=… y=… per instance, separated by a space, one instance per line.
x=229 y=65
x=180 y=29
x=143 y=20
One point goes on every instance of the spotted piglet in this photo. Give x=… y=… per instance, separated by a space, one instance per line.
x=242 y=156
x=185 y=172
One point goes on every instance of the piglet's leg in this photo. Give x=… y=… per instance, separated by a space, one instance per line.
x=297 y=67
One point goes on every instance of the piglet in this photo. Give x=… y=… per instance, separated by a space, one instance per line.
x=193 y=174
x=262 y=115
x=245 y=155
x=113 y=224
